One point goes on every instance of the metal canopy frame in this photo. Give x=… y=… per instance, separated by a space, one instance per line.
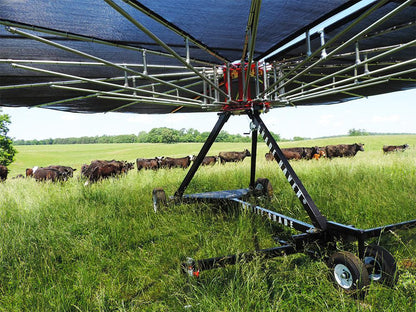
x=345 y=67
x=320 y=232
x=367 y=51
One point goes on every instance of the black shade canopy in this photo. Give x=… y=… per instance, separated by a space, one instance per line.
x=192 y=56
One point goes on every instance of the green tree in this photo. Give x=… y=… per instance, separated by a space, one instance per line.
x=7 y=151
x=357 y=132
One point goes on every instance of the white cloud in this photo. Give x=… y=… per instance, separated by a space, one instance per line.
x=330 y=121
x=70 y=117
x=385 y=119
x=141 y=119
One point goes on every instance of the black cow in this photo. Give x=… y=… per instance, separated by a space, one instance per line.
x=147 y=163
x=182 y=162
x=394 y=148
x=233 y=156
x=343 y=150
x=3 y=173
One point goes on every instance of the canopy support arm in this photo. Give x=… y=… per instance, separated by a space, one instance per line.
x=162 y=44
x=122 y=68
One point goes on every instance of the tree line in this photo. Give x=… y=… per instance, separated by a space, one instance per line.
x=156 y=135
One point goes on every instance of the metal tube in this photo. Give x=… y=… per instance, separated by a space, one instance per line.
x=188 y=58
x=325 y=77
x=308 y=43
x=358 y=76
x=160 y=42
x=251 y=35
x=90 y=39
x=354 y=38
x=47 y=62
x=329 y=42
x=144 y=63
x=338 y=90
x=90 y=80
x=229 y=81
x=152 y=100
x=146 y=11
x=57 y=45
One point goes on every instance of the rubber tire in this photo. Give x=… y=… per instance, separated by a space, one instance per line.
x=159 y=198
x=264 y=187
x=385 y=264
x=354 y=267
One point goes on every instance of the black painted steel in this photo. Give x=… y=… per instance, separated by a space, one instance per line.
x=254 y=134
x=318 y=220
x=223 y=118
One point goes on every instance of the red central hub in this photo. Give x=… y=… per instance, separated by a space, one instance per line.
x=235 y=88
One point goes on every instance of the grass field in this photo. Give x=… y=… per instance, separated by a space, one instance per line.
x=66 y=247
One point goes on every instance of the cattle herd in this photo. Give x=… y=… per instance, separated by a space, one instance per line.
x=100 y=169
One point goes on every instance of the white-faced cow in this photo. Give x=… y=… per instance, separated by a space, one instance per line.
x=394 y=148
x=3 y=173
x=233 y=156
x=182 y=162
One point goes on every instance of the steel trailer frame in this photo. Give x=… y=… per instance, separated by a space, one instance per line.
x=320 y=232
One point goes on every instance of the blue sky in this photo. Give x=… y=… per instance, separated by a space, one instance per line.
x=393 y=113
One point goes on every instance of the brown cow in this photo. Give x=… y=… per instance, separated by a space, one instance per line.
x=305 y=152
x=48 y=174
x=233 y=156
x=170 y=162
x=147 y=163
x=394 y=148
x=209 y=160
x=101 y=169
x=288 y=154
x=343 y=150
x=68 y=171
x=3 y=173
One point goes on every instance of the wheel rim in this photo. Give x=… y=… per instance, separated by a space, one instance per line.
x=343 y=276
x=376 y=272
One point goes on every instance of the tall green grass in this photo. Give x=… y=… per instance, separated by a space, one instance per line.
x=66 y=247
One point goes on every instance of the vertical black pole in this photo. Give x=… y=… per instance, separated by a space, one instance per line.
x=223 y=118
x=254 y=134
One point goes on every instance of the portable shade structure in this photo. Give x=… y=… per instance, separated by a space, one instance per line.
x=232 y=57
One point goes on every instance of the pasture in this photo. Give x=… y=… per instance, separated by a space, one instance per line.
x=66 y=247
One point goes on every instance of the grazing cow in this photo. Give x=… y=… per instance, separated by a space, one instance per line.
x=48 y=174
x=3 y=173
x=343 y=150
x=233 y=156
x=394 y=148
x=288 y=154
x=68 y=171
x=170 y=162
x=101 y=169
x=305 y=152
x=147 y=163
x=209 y=160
